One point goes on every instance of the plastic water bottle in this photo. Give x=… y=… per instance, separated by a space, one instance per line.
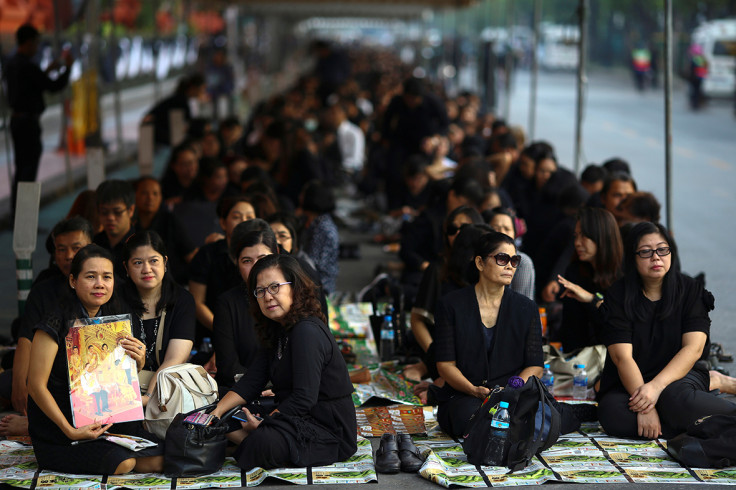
x=387 y=338
x=548 y=379
x=206 y=346
x=499 y=435
x=580 y=383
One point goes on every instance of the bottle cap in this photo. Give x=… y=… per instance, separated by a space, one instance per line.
x=206 y=339
x=504 y=404
x=546 y=366
x=579 y=366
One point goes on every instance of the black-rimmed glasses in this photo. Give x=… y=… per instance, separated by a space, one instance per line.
x=273 y=289
x=503 y=259
x=647 y=253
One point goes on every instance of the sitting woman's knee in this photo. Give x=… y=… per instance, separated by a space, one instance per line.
x=125 y=467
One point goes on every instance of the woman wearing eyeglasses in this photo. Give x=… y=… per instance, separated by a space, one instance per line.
x=597 y=265
x=315 y=422
x=485 y=334
x=656 y=330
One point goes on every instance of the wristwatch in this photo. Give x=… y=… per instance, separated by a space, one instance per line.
x=597 y=297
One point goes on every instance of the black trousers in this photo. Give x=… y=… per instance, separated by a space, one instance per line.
x=453 y=415
x=26 y=133
x=680 y=404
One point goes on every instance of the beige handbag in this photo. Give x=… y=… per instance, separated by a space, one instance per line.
x=563 y=365
x=179 y=389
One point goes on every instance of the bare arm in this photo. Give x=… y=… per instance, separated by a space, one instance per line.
x=43 y=352
x=646 y=396
x=420 y=331
x=177 y=352
x=21 y=362
x=622 y=356
x=530 y=371
x=229 y=401
x=455 y=378
x=203 y=313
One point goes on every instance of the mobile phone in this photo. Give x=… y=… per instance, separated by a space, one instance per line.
x=240 y=415
x=199 y=418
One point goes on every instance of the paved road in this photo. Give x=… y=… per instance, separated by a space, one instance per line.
x=622 y=122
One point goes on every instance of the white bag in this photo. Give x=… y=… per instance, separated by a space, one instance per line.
x=179 y=389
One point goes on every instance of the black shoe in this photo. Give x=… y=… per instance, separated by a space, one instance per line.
x=387 y=455
x=411 y=459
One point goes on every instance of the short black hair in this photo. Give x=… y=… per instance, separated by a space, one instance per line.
x=414 y=86
x=593 y=173
x=415 y=165
x=251 y=233
x=617 y=164
x=111 y=191
x=616 y=177
x=26 y=33
x=76 y=223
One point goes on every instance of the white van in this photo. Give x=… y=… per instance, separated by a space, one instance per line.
x=718 y=40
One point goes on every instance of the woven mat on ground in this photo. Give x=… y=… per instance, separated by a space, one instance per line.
x=18 y=468
x=588 y=456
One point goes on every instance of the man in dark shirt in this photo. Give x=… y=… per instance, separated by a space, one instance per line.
x=26 y=85
x=115 y=207
x=69 y=236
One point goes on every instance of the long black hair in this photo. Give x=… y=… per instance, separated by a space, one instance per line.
x=671 y=284
x=169 y=289
x=460 y=267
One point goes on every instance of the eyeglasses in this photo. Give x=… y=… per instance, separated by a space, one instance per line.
x=503 y=259
x=273 y=289
x=648 y=252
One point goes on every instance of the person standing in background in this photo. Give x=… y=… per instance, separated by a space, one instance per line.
x=26 y=83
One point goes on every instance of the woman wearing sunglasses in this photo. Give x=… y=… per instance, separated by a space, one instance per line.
x=597 y=265
x=656 y=330
x=485 y=334
x=315 y=422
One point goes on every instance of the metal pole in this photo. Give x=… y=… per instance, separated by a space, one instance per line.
x=116 y=83
x=582 y=82
x=535 y=70
x=509 y=61
x=668 y=110
x=156 y=51
x=64 y=104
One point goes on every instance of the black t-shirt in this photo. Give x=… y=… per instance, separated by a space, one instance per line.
x=655 y=341
x=213 y=267
x=179 y=323
x=234 y=337
x=42 y=300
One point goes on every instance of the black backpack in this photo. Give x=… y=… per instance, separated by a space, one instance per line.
x=535 y=425
x=710 y=442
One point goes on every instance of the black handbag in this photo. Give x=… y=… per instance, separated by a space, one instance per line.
x=536 y=423
x=195 y=450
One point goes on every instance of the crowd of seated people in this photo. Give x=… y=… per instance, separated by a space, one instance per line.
x=488 y=228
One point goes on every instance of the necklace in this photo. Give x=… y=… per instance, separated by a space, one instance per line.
x=281 y=347
x=152 y=346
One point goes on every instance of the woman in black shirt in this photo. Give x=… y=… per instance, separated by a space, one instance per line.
x=485 y=334
x=50 y=421
x=315 y=421
x=656 y=329
x=157 y=305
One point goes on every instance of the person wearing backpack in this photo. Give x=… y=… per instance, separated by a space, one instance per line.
x=486 y=333
x=656 y=328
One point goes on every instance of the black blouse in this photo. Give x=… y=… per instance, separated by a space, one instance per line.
x=517 y=342
x=234 y=337
x=655 y=341
x=581 y=322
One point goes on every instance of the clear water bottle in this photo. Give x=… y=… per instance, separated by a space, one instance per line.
x=387 y=338
x=580 y=383
x=499 y=435
x=548 y=379
x=206 y=346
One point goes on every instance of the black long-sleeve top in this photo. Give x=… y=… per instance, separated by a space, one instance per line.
x=461 y=337
x=305 y=368
x=581 y=322
x=27 y=83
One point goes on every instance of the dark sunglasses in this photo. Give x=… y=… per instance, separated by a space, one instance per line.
x=503 y=259
x=647 y=253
